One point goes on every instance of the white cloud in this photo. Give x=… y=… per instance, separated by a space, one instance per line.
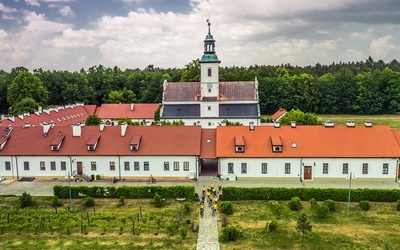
x=32 y=2
x=72 y=39
x=7 y=9
x=381 y=47
x=66 y=11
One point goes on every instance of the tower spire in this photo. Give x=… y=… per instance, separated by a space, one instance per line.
x=209 y=47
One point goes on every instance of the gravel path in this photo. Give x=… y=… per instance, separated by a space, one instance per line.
x=207 y=238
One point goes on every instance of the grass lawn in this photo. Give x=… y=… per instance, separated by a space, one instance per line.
x=391 y=120
x=377 y=228
x=106 y=226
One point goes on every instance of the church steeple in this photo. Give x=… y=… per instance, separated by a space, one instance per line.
x=209 y=55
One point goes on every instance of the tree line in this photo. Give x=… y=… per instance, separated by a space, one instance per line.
x=365 y=87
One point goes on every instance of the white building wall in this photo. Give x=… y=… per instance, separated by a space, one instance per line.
x=209 y=109
x=215 y=122
x=276 y=167
x=156 y=166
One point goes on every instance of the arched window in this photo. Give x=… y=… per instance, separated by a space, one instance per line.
x=209 y=72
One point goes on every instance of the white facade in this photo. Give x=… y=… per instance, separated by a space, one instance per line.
x=213 y=122
x=105 y=166
x=377 y=168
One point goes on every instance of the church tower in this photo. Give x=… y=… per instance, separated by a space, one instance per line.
x=209 y=77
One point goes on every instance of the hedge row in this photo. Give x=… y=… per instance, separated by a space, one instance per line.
x=129 y=192
x=268 y=193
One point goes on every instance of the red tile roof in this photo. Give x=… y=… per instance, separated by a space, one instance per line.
x=208 y=144
x=118 y=111
x=237 y=91
x=278 y=114
x=182 y=91
x=156 y=140
x=63 y=117
x=311 y=141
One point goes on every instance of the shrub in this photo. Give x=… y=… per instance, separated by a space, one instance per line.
x=226 y=207
x=88 y=202
x=183 y=231
x=295 y=204
x=230 y=233
x=25 y=200
x=276 y=208
x=273 y=226
x=158 y=201
x=55 y=201
x=322 y=211
x=314 y=204
x=365 y=205
x=398 y=205
x=187 y=206
x=121 y=201
x=331 y=204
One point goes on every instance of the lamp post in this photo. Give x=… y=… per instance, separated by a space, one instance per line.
x=350 y=176
x=69 y=188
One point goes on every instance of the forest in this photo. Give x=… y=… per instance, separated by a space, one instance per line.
x=364 y=87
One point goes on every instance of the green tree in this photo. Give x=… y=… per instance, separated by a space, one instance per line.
x=126 y=120
x=25 y=85
x=92 y=120
x=303 y=226
x=121 y=96
x=27 y=104
x=191 y=73
x=300 y=118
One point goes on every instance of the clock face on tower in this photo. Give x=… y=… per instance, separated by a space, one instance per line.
x=209 y=85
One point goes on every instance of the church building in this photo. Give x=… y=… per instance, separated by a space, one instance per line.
x=211 y=103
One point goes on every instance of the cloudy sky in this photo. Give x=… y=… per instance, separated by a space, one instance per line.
x=71 y=34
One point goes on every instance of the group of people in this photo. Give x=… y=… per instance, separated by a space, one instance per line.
x=212 y=193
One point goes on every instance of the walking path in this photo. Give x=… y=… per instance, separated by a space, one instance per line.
x=207 y=238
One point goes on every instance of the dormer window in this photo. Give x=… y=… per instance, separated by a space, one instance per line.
x=135 y=142
x=239 y=144
x=276 y=143
x=55 y=145
x=93 y=142
x=3 y=141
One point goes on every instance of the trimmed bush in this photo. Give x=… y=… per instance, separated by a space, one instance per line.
x=230 y=233
x=273 y=226
x=398 y=205
x=295 y=204
x=88 y=202
x=183 y=231
x=158 y=201
x=314 y=204
x=121 y=201
x=226 y=207
x=322 y=211
x=55 y=201
x=331 y=204
x=187 y=206
x=365 y=205
x=25 y=200
x=276 y=208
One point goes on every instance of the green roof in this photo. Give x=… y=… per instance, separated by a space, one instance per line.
x=209 y=37
x=207 y=58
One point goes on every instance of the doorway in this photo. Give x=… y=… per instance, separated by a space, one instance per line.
x=307 y=172
x=79 y=168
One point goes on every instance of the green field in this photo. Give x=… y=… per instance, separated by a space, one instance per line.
x=108 y=225
x=391 y=120
x=373 y=229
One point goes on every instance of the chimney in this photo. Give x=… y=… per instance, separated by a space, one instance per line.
x=124 y=126
x=293 y=124
x=76 y=130
x=329 y=124
x=368 y=124
x=132 y=106
x=26 y=125
x=251 y=126
x=350 y=124
x=277 y=124
x=102 y=125
x=46 y=128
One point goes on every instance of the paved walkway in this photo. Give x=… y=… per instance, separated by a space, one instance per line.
x=207 y=238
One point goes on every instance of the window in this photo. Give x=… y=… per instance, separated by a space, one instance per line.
x=176 y=165
x=42 y=166
x=287 y=168
x=385 y=168
x=136 y=166
x=63 y=166
x=263 y=168
x=209 y=90
x=127 y=166
x=8 y=166
x=166 y=165
x=365 y=168
x=209 y=124
x=53 y=165
x=209 y=108
x=146 y=166
x=93 y=166
x=26 y=165
x=112 y=165
x=239 y=149
x=244 y=168
x=230 y=168
x=325 y=168
x=345 y=168
x=209 y=71
x=185 y=166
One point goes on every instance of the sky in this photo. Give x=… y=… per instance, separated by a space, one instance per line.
x=74 y=34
